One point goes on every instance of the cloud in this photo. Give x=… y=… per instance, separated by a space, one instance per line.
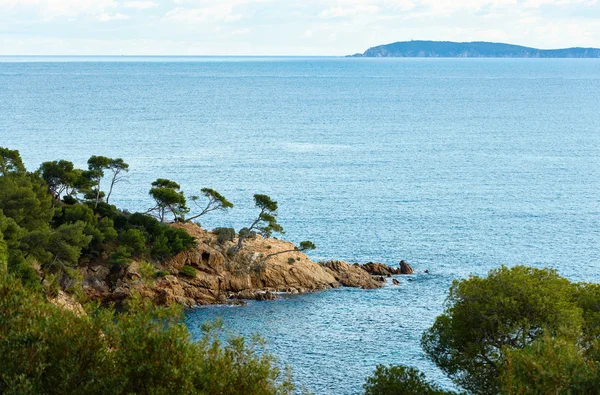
x=215 y=13
x=140 y=5
x=104 y=17
x=310 y=27
x=50 y=9
x=341 y=12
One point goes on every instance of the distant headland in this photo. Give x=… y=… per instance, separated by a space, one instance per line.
x=477 y=49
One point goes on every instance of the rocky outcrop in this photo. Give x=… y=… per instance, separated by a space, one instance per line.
x=379 y=269
x=405 y=268
x=220 y=275
x=263 y=269
x=351 y=275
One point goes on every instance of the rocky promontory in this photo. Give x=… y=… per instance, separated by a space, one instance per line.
x=213 y=273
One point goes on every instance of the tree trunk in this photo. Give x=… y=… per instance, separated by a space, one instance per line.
x=97 y=194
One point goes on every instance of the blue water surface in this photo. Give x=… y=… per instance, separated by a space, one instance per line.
x=455 y=165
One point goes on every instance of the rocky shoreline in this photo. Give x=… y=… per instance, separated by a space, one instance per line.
x=220 y=276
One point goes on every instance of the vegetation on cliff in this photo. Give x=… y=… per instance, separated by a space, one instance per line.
x=517 y=331
x=55 y=221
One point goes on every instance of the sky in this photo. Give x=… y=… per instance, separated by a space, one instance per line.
x=284 y=27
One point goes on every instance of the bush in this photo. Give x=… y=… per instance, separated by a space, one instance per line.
x=144 y=349
x=133 y=240
x=188 y=271
x=400 y=380
x=245 y=233
x=121 y=258
x=291 y=261
x=224 y=234
x=161 y=273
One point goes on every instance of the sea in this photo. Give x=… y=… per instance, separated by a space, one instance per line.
x=457 y=166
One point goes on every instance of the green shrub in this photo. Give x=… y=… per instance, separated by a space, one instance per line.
x=224 y=234
x=188 y=271
x=291 y=261
x=161 y=273
x=400 y=380
x=133 y=240
x=144 y=349
x=247 y=234
x=121 y=257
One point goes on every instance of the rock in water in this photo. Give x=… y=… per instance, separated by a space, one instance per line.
x=405 y=268
x=350 y=275
x=379 y=269
x=395 y=282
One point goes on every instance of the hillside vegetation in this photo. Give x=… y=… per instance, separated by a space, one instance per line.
x=479 y=49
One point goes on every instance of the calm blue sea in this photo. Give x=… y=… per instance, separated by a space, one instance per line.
x=455 y=165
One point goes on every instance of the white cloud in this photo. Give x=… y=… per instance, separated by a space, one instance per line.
x=140 y=5
x=341 y=12
x=324 y=27
x=216 y=13
x=104 y=17
x=50 y=9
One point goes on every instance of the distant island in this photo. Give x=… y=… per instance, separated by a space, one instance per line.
x=477 y=49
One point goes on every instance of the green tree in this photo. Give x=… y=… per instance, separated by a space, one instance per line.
x=10 y=162
x=133 y=240
x=25 y=199
x=550 y=365
x=509 y=309
x=168 y=199
x=117 y=167
x=60 y=176
x=214 y=201
x=97 y=165
x=266 y=222
x=65 y=244
x=3 y=255
x=400 y=380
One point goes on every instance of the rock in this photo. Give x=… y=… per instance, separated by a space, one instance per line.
x=254 y=295
x=133 y=271
x=395 y=282
x=379 y=269
x=253 y=273
x=405 y=268
x=427 y=271
x=67 y=302
x=351 y=275
x=120 y=293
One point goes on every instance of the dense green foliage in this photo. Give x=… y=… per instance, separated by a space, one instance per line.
x=519 y=330
x=55 y=218
x=144 y=350
x=400 y=380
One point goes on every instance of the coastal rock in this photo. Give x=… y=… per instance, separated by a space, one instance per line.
x=379 y=269
x=263 y=268
x=254 y=295
x=395 y=282
x=405 y=268
x=351 y=275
